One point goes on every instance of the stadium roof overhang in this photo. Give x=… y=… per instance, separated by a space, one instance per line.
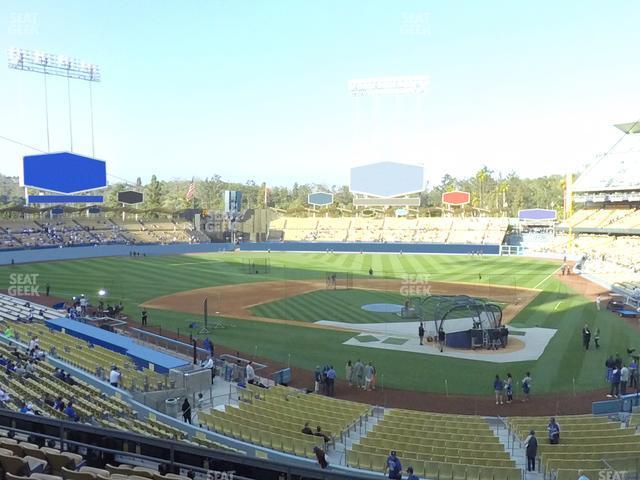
x=633 y=127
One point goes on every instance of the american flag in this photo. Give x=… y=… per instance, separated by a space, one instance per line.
x=191 y=190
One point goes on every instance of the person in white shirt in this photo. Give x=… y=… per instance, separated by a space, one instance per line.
x=250 y=373
x=114 y=376
x=598 y=300
x=210 y=364
x=4 y=396
x=33 y=343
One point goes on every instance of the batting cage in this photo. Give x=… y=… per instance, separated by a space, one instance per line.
x=257 y=266
x=467 y=322
x=338 y=280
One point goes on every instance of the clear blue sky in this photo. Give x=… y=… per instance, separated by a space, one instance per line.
x=256 y=89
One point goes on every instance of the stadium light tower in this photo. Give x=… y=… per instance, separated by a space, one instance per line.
x=61 y=66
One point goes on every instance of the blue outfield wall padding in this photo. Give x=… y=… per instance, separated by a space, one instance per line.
x=48 y=254
x=142 y=356
x=66 y=199
x=441 y=248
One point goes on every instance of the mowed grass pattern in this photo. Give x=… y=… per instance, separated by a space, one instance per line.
x=341 y=306
x=134 y=280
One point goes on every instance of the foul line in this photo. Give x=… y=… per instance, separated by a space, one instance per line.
x=548 y=276
x=556 y=309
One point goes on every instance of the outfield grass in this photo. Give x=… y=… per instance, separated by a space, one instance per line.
x=135 y=280
x=341 y=306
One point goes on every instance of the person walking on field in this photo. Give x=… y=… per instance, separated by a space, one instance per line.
x=624 y=379
x=596 y=338
x=526 y=386
x=498 y=388
x=586 y=337
x=421 y=333
x=368 y=376
x=531 y=448
x=598 y=300
x=508 y=386
x=359 y=373
x=348 y=372
x=441 y=338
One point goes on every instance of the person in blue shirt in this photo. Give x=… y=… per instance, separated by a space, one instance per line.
x=411 y=474
x=331 y=380
x=394 y=466
x=70 y=412
x=554 y=431
x=498 y=388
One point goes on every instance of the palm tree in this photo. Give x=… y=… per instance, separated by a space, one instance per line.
x=503 y=188
x=481 y=176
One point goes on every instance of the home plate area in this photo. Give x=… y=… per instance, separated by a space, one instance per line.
x=525 y=344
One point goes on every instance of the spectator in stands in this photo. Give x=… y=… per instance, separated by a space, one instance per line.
x=508 y=386
x=58 y=373
x=307 y=429
x=30 y=368
x=69 y=380
x=321 y=434
x=624 y=379
x=586 y=336
x=348 y=371
x=186 y=411
x=114 y=376
x=411 y=476
x=59 y=404
x=582 y=476
x=11 y=367
x=250 y=373
x=33 y=343
x=320 y=457
x=394 y=467
x=331 y=380
x=531 y=450
x=526 y=387
x=498 y=388
x=3 y=361
x=48 y=400
x=8 y=332
x=421 y=333
x=4 y=397
x=70 y=412
x=553 y=428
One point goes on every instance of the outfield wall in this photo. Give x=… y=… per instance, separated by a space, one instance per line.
x=75 y=253
x=434 y=248
x=80 y=252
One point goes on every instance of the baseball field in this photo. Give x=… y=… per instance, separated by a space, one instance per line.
x=286 y=314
